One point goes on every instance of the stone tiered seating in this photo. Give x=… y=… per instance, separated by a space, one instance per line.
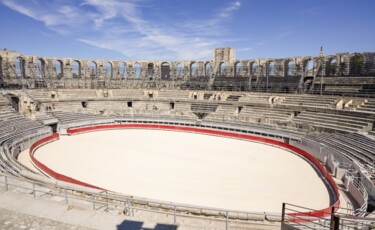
x=141 y=105
x=268 y=115
x=116 y=107
x=309 y=101
x=39 y=95
x=127 y=93
x=203 y=108
x=342 y=89
x=71 y=117
x=226 y=110
x=331 y=121
x=233 y=97
x=367 y=107
x=183 y=109
x=255 y=98
x=45 y=118
x=72 y=94
x=67 y=106
x=173 y=94
x=353 y=145
x=12 y=123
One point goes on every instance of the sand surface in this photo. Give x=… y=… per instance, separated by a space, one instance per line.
x=188 y=168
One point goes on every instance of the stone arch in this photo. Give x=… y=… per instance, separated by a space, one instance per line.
x=150 y=71
x=308 y=67
x=76 y=69
x=253 y=68
x=222 y=68
x=165 y=71
x=93 y=69
x=179 y=69
x=108 y=69
x=272 y=68
x=237 y=69
x=193 y=69
x=40 y=65
x=137 y=70
x=122 y=70
x=289 y=67
x=331 y=67
x=1 y=66
x=19 y=67
x=207 y=69
x=58 y=68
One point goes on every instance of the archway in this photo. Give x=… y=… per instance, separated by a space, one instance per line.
x=179 y=70
x=309 y=67
x=150 y=71
x=19 y=67
x=122 y=70
x=1 y=67
x=76 y=69
x=208 y=69
x=108 y=69
x=137 y=70
x=222 y=68
x=165 y=71
x=193 y=69
x=253 y=68
x=272 y=69
x=39 y=68
x=58 y=67
x=93 y=69
x=237 y=69
x=332 y=66
x=289 y=68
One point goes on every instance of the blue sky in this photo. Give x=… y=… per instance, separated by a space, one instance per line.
x=185 y=29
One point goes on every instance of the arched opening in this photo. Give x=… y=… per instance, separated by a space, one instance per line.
x=208 y=69
x=1 y=66
x=150 y=71
x=222 y=68
x=76 y=69
x=137 y=70
x=165 y=71
x=39 y=68
x=253 y=68
x=332 y=66
x=356 y=64
x=108 y=69
x=309 y=67
x=179 y=70
x=272 y=69
x=122 y=70
x=93 y=69
x=19 y=67
x=58 y=67
x=237 y=69
x=193 y=69
x=289 y=68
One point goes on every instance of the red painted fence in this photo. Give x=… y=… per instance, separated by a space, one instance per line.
x=318 y=213
x=49 y=171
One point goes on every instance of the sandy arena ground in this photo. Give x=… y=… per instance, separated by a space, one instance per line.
x=187 y=168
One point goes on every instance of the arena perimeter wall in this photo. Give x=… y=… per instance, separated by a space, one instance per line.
x=317 y=213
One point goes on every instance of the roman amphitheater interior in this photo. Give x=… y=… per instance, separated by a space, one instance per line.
x=321 y=105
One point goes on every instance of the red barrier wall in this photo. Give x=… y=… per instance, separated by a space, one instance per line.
x=49 y=171
x=318 y=213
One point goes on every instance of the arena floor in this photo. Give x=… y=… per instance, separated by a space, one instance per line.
x=187 y=168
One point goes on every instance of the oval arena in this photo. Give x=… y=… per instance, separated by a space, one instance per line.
x=188 y=168
x=264 y=143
